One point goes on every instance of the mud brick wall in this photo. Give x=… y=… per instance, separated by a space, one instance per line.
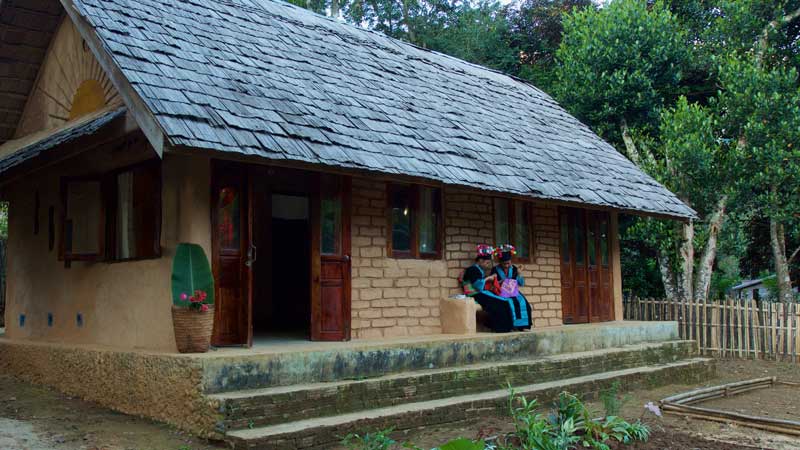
x=400 y=297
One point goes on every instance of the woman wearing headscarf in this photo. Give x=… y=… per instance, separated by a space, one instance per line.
x=478 y=285
x=510 y=280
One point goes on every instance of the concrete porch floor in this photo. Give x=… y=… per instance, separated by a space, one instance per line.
x=276 y=344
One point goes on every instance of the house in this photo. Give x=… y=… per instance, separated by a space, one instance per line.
x=339 y=181
x=755 y=289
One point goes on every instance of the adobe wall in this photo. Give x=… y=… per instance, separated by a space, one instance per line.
x=400 y=297
x=125 y=304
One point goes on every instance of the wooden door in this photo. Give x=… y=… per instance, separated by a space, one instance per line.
x=586 y=277
x=601 y=298
x=330 y=254
x=229 y=241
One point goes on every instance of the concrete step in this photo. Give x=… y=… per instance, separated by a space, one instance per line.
x=272 y=406
x=268 y=366
x=325 y=432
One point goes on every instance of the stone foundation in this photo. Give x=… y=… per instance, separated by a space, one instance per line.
x=164 y=387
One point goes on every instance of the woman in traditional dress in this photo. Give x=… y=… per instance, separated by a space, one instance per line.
x=510 y=280
x=477 y=284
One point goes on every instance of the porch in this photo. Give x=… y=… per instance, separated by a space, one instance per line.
x=283 y=381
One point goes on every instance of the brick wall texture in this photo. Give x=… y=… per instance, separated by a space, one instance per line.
x=400 y=297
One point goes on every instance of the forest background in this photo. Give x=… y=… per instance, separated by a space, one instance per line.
x=701 y=94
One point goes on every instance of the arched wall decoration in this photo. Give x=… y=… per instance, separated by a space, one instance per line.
x=70 y=84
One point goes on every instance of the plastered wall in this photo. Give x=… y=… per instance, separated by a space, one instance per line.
x=125 y=304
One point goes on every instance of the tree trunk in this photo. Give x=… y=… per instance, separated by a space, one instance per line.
x=686 y=283
x=412 y=35
x=778 y=243
x=706 y=267
x=335 y=9
x=630 y=146
x=667 y=276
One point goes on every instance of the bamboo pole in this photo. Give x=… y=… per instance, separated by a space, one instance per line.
x=746 y=322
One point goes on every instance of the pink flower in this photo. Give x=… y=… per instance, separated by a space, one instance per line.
x=204 y=308
x=184 y=296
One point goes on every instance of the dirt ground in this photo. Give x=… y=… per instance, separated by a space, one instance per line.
x=37 y=418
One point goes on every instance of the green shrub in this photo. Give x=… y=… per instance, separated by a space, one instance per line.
x=569 y=426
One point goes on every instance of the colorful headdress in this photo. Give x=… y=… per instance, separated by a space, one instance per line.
x=484 y=251
x=505 y=252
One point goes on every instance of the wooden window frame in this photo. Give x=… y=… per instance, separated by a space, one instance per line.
x=414 y=252
x=512 y=223
x=101 y=232
x=108 y=209
x=111 y=218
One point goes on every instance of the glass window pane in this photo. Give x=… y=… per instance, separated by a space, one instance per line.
x=590 y=245
x=229 y=218
x=82 y=227
x=565 y=255
x=580 y=240
x=604 y=241
x=401 y=218
x=522 y=231
x=428 y=219
x=126 y=218
x=331 y=224
x=501 y=228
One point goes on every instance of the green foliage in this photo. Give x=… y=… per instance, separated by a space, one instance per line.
x=379 y=440
x=618 y=63
x=570 y=425
x=191 y=272
x=760 y=108
x=612 y=400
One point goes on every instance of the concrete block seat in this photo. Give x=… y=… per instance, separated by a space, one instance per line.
x=461 y=315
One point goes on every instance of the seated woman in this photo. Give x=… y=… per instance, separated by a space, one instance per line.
x=476 y=284
x=510 y=281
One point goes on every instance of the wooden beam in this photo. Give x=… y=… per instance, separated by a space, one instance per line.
x=136 y=105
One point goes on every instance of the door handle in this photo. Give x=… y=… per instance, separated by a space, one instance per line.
x=347 y=258
x=252 y=255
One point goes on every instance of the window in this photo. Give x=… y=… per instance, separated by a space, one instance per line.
x=415 y=221
x=137 y=222
x=512 y=225
x=114 y=217
x=83 y=222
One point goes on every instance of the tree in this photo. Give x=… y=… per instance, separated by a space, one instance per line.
x=619 y=65
x=535 y=28
x=761 y=110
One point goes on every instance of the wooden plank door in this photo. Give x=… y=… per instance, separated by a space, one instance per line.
x=330 y=254
x=230 y=243
x=574 y=272
x=567 y=280
x=603 y=306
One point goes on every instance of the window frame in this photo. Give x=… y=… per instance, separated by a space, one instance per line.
x=512 y=223
x=101 y=232
x=112 y=197
x=107 y=245
x=414 y=203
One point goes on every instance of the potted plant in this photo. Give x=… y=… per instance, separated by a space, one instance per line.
x=192 y=299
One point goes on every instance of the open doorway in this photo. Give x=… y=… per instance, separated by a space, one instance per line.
x=282 y=306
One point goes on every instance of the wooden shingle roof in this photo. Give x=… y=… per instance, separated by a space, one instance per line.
x=26 y=28
x=261 y=77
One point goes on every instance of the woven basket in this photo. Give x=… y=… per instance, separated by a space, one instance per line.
x=192 y=329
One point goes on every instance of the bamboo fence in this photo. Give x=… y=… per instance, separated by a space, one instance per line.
x=728 y=328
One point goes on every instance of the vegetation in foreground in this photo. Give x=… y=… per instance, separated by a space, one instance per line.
x=569 y=425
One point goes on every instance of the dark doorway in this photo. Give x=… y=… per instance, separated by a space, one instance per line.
x=284 y=306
